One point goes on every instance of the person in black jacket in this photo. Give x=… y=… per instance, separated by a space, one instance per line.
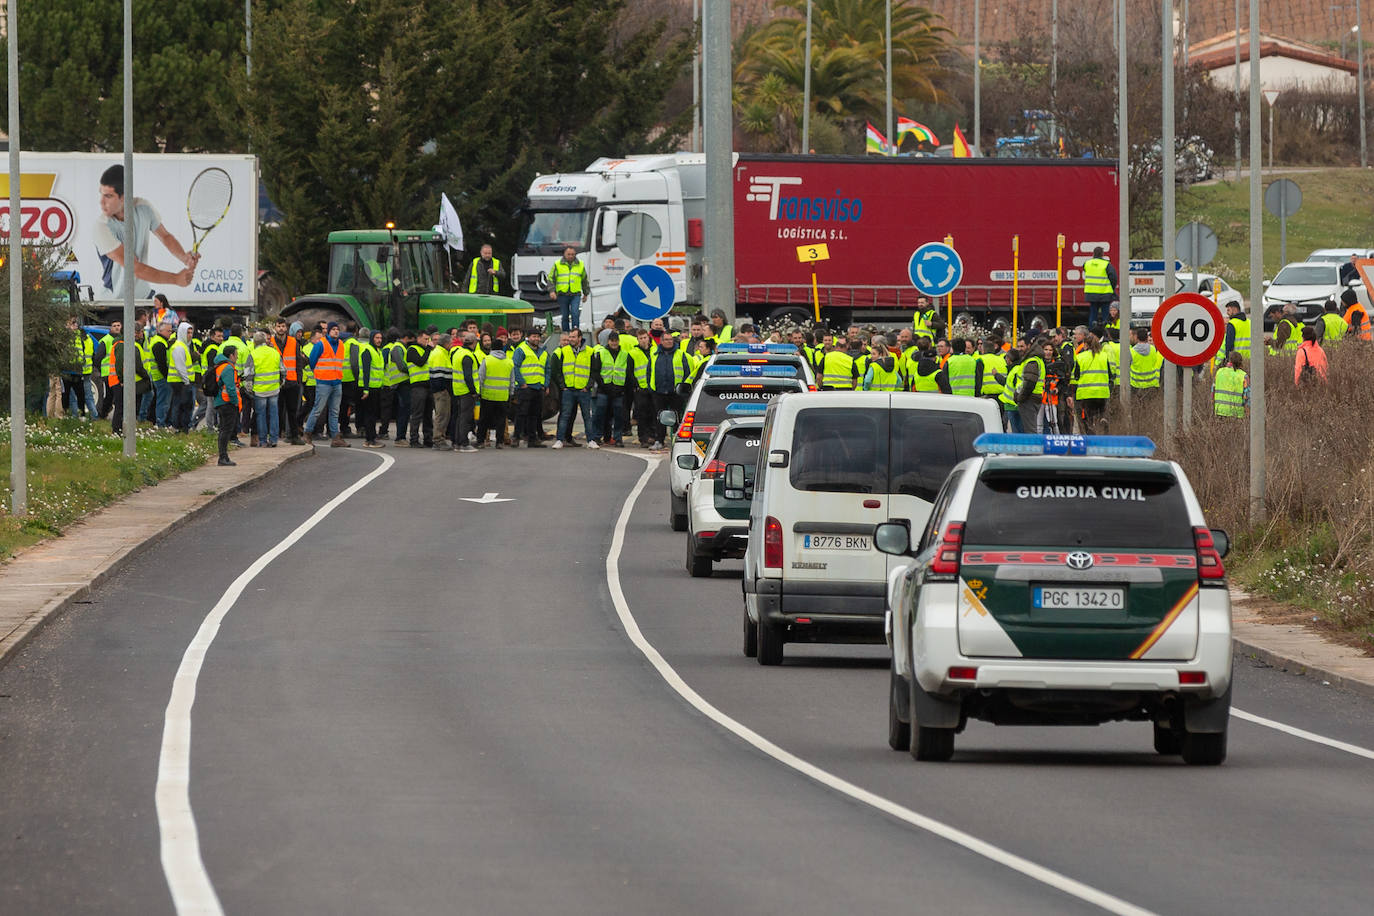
x=608 y=364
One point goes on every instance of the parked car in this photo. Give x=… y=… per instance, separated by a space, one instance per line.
x=1308 y=284
x=1143 y=308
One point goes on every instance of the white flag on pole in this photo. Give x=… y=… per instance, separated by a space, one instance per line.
x=449 y=225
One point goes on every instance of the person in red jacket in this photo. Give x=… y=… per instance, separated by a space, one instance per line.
x=1309 y=366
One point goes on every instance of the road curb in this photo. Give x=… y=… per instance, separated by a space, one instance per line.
x=1296 y=666
x=55 y=606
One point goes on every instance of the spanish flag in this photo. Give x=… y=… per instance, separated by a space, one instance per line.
x=961 y=149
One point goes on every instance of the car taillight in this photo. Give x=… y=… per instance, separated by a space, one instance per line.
x=962 y=673
x=714 y=468
x=945 y=562
x=684 y=431
x=1209 y=567
x=772 y=543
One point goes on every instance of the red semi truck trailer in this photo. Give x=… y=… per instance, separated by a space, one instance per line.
x=871 y=213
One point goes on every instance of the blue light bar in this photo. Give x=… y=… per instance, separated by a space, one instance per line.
x=716 y=371
x=757 y=348
x=1031 y=444
x=745 y=409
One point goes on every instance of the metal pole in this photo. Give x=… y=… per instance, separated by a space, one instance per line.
x=719 y=148
x=1283 y=230
x=1359 y=57
x=1257 y=510
x=1236 y=94
x=806 y=89
x=19 y=474
x=1271 y=136
x=248 y=37
x=1123 y=201
x=977 y=80
x=892 y=141
x=129 y=376
x=1188 y=374
x=1054 y=66
x=1167 y=168
x=696 y=76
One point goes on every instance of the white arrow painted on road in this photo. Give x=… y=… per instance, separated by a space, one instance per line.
x=487 y=498
x=651 y=298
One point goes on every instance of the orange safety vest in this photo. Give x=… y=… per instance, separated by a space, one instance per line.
x=224 y=391
x=1364 y=327
x=1051 y=395
x=329 y=367
x=112 y=369
x=288 y=358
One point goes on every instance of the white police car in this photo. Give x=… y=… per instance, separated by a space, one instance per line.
x=765 y=354
x=1061 y=580
x=717 y=521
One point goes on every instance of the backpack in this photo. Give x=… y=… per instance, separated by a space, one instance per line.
x=1307 y=373
x=209 y=382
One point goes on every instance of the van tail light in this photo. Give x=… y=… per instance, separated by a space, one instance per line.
x=945 y=563
x=684 y=430
x=772 y=543
x=714 y=468
x=1210 y=570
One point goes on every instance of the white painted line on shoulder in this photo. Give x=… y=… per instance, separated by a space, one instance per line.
x=1032 y=870
x=1304 y=734
x=187 y=879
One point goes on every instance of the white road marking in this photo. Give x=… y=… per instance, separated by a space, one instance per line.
x=954 y=835
x=1304 y=734
x=192 y=891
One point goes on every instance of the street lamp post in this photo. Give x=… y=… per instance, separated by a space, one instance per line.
x=19 y=475
x=1359 y=57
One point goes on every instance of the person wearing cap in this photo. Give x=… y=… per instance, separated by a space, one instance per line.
x=1356 y=318
x=371 y=382
x=531 y=363
x=1288 y=330
x=326 y=364
x=181 y=375
x=466 y=390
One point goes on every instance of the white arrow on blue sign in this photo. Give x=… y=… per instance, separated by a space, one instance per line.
x=647 y=292
x=935 y=269
x=1152 y=267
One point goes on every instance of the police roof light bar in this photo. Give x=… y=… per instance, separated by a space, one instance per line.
x=1097 y=446
x=744 y=409
x=717 y=371
x=757 y=348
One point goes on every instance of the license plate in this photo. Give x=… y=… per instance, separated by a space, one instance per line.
x=1055 y=598
x=836 y=541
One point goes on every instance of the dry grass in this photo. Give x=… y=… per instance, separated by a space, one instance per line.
x=1316 y=549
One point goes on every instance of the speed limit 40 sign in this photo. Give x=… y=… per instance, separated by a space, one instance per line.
x=1188 y=329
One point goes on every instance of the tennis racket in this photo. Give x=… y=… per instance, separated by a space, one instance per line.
x=208 y=203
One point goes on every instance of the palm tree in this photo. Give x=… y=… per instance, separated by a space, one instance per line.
x=847 y=65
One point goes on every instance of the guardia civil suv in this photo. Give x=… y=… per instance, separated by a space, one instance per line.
x=1061 y=580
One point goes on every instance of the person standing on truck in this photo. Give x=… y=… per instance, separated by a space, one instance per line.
x=1099 y=286
x=569 y=276
x=115 y=227
x=485 y=274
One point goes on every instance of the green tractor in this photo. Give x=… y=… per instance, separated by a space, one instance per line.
x=384 y=278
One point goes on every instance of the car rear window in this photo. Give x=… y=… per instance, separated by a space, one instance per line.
x=1069 y=510
x=870 y=450
x=710 y=406
x=740 y=446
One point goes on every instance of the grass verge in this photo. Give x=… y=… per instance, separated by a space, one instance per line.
x=76 y=467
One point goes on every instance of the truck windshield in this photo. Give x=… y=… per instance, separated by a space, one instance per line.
x=554 y=230
x=420 y=268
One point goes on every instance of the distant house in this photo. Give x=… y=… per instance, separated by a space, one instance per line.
x=1284 y=64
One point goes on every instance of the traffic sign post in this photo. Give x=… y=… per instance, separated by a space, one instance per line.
x=811 y=254
x=1271 y=96
x=1188 y=329
x=1201 y=243
x=1283 y=198
x=647 y=292
x=1015 y=280
x=1059 y=284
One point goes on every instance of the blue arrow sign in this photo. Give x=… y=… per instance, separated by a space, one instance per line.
x=935 y=269
x=1152 y=267
x=647 y=292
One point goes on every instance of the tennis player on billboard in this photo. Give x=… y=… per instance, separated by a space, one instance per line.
x=112 y=231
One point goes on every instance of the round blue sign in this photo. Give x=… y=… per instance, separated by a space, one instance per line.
x=647 y=292
x=935 y=269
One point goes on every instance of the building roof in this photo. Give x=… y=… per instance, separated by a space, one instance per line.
x=1220 y=51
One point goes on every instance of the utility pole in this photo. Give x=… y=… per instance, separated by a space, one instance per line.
x=1054 y=68
x=1359 y=57
x=696 y=75
x=719 y=134
x=129 y=375
x=1237 y=87
x=1257 y=444
x=1123 y=200
x=892 y=142
x=806 y=87
x=19 y=473
x=977 y=80
x=1167 y=166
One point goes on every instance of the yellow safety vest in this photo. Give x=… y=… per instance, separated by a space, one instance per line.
x=533 y=366
x=993 y=365
x=266 y=370
x=1145 y=369
x=1228 y=392
x=1094 y=379
x=962 y=378
x=568 y=279
x=376 y=373
x=495 y=281
x=172 y=374
x=439 y=365
x=460 y=380
x=417 y=373
x=837 y=371
x=1095 y=279
x=497 y=371
x=577 y=367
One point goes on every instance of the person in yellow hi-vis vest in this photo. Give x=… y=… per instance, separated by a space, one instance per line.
x=1099 y=286
x=1231 y=388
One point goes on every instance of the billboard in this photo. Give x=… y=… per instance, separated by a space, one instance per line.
x=193 y=220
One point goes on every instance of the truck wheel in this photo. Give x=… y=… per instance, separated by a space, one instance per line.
x=927 y=743
x=794 y=315
x=751 y=636
x=1204 y=749
x=770 y=643
x=698 y=567
x=898 y=730
x=311 y=316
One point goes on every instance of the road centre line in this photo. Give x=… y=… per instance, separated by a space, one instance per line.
x=1304 y=734
x=187 y=879
x=987 y=850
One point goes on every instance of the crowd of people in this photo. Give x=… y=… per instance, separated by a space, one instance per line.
x=471 y=387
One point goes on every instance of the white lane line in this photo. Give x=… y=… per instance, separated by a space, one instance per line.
x=182 y=865
x=954 y=835
x=1304 y=734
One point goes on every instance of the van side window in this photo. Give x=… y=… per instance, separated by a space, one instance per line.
x=937 y=512
x=926 y=444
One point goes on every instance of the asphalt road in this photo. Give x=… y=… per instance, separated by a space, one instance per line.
x=433 y=706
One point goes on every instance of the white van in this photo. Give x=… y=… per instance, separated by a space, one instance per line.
x=831 y=466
